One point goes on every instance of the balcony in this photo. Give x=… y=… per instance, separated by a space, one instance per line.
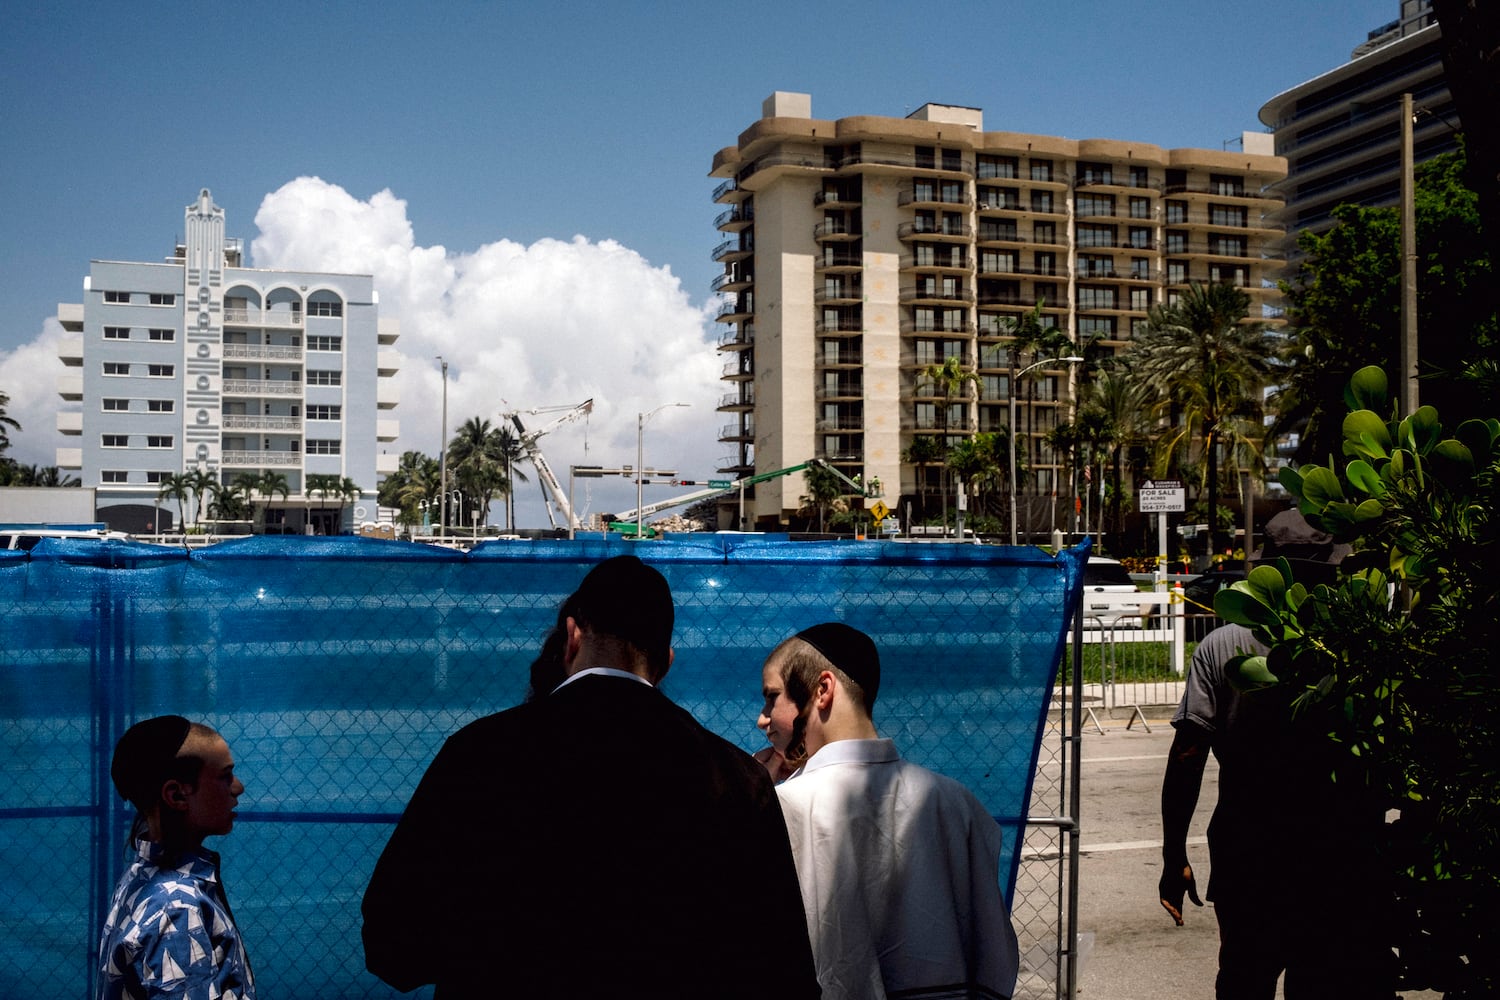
x=263 y=352
x=70 y=315
x=731 y=282
x=1220 y=191
x=931 y=262
x=847 y=357
x=734 y=432
x=934 y=230
x=734 y=312
x=935 y=196
x=387 y=463
x=1124 y=182
x=387 y=395
x=387 y=430
x=839 y=294
x=839 y=261
x=851 y=389
x=847 y=422
x=736 y=370
x=925 y=358
x=70 y=351
x=387 y=330
x=261 y=459
x=69 y=422
x=260 y=422
x=69 y=458
x=937 y=295
x=734 y=219
x=387 y=363
x=910 y=327
x=905 y=164
x=273 y=318
x=934 y=425
x=730 y=250
x=835 y=229
x=728 y=191
x=737 y=338
x=838 y=198
x=733 y=401
x=838 y=328
x=998 y=269
x=261 y=387
x=70 y=388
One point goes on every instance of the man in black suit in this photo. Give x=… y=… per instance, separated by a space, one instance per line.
x=595 y=842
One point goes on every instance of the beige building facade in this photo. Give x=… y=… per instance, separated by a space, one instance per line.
x=860 y=251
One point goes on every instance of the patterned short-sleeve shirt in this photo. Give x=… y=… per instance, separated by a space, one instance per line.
x=170 y=933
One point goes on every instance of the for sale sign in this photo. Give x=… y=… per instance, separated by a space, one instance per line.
x=1161 y=496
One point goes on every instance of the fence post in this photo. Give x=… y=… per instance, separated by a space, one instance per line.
x=1179 y=628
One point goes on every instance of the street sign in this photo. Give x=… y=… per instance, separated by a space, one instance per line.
x=879 y=511
x=720 y=484
x=1161 y=496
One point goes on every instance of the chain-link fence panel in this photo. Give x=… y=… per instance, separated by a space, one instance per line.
x=335 y=668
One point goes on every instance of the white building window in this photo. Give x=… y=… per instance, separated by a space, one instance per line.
x=117 y=368
x=113 y=476
x=158 y=441
x=161 y=405
x=157 y=478
x=325 y=378
x=322 y=447
x=162 y=299
x=117 y=297
x=325 y=343
x=163 y=336
x=114 y=440
x=319 y=412
x=117 y=333
x=160 y=371
x=115 y=405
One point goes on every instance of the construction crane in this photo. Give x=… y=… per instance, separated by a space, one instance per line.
x=552 y=490
x=625 y=521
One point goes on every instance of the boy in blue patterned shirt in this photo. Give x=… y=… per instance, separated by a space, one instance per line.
x=169 y=931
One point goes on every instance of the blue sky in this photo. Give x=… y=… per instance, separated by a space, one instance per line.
x=502 y=130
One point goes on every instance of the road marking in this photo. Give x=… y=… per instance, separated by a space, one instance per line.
x=1135 y=845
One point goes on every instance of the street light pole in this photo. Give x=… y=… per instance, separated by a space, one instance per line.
x=640 y=465
x=443 y=455
x=1015 y=380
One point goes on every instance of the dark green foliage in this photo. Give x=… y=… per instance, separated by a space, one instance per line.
x=1395 y=664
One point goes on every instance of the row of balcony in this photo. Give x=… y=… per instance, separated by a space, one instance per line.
x=275 y=318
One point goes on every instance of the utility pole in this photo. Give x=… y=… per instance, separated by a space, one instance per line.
x=1410 y=392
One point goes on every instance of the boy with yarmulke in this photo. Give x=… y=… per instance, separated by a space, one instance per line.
x=169 y=931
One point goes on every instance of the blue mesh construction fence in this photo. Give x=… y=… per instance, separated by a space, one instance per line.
x=336 y=667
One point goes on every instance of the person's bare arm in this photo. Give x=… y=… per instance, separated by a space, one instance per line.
x=1179 y=798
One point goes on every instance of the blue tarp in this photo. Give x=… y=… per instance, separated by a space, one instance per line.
x=335 y=667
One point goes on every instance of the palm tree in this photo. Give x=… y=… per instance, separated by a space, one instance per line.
x=953 y=378
x=922 y=452
x=415 y=480
x=6 y=420
x=204 y=485
x=51 y=475
x=823 y=488
x=1205 y=368
x=348 y=492
x=269 y=483
x=509 y=444
x=980 y=462
x=176 y=487
x=1033 y=337
x=230 y=503
x=477 y=458
x=1121 y=405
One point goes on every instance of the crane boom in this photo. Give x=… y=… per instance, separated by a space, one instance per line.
x=528 y=441
x=737 y=484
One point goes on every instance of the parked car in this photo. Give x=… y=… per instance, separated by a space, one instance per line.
x=28 y=538
x=1199 y=594
x=1108 y=576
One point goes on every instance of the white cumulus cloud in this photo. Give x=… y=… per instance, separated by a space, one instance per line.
x=28 y=375
x=545 y=325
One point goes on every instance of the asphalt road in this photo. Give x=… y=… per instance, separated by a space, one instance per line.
x=1137 y=953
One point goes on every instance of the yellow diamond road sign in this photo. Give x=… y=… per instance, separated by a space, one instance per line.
x=879 y=511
